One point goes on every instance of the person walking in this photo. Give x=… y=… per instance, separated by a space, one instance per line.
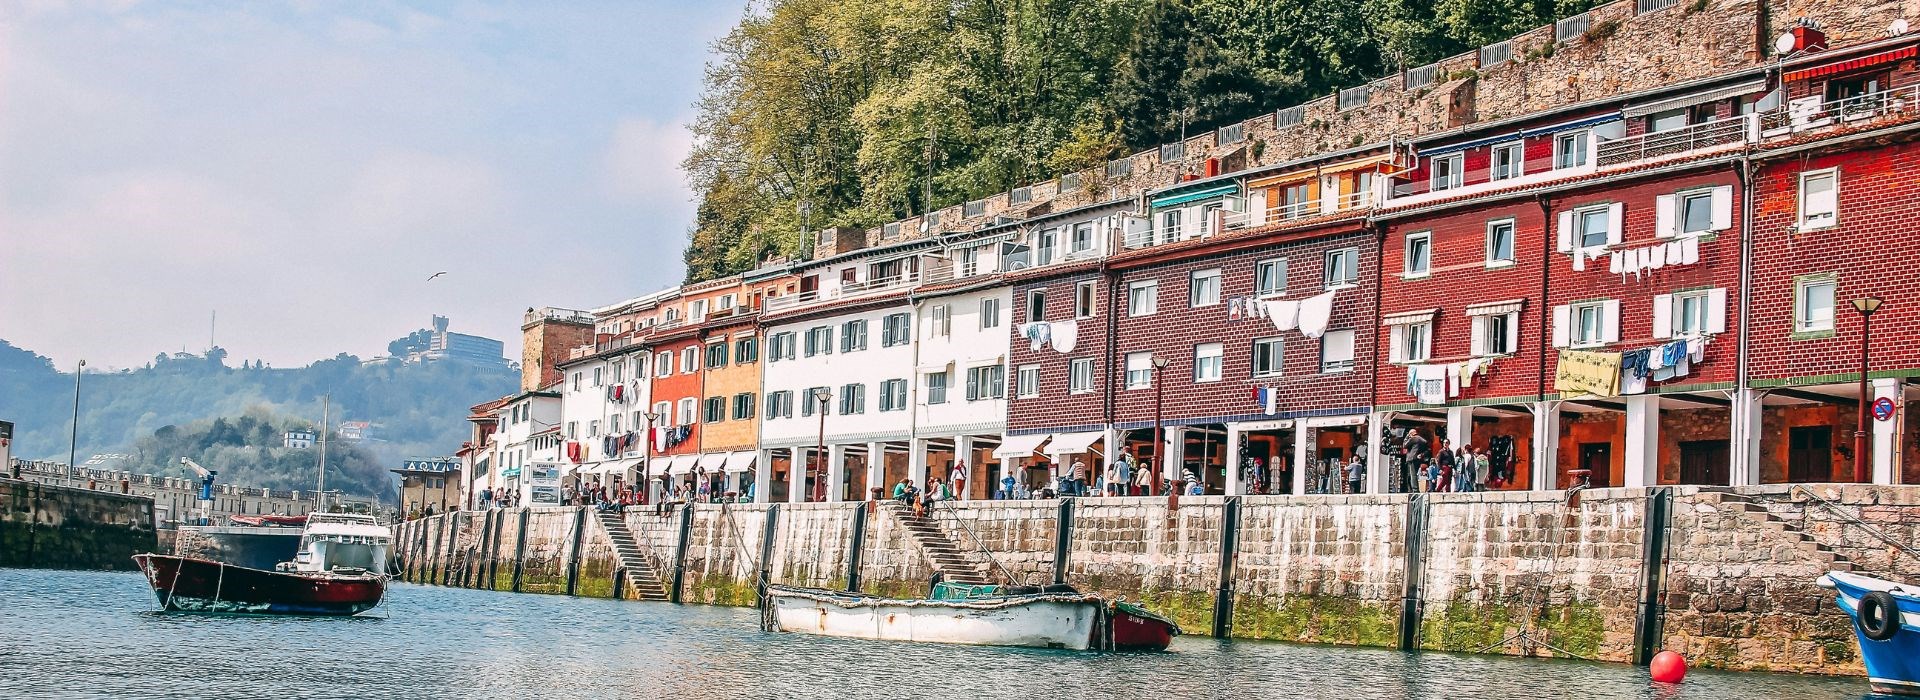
x=1482 y=464
x=1079 y=485
x=1123 y=485
x=1356 y=472
x=958 y=476
x=1443 y=464
x=1463 y=469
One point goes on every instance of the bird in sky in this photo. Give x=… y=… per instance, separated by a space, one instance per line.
x=436 y=275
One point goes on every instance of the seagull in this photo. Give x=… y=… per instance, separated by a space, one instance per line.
x=436 y=274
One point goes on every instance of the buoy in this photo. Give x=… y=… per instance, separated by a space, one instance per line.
x=1668 y=667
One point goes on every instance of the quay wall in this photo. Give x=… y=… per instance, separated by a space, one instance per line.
x=1725 y=576
x=57 y=527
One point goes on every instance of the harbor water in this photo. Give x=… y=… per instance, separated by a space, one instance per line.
x=87 y=634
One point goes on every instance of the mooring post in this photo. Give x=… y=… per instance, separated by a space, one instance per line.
x=1062 y=540
x=1229 y=543
x=520 y=551
x=1415 y=523
x=1650 y=622
x=859 y=543
x=573 y=550
x=434 y=563
x=767 y=532
x=493 y=549
x=453 y=546
x=680 y=553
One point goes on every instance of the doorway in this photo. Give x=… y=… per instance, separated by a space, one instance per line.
x=1597 y=459
x=1809 y=453
x=1704 y=463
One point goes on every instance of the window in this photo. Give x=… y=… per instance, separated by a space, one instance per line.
x=1036 y=305
x=1343 y=267
x=936 y=388
x=942 y=325
x=1448 y=171
x=1207 y=358
x=1689 y=313
x=689 y=359
x=1027 y=381
x=1296 y=201
x=1083 y=300
x=1080 y=376
x=853 y=399
x=613 y=424
x=742 y=406
x=746 y=350
x=1570 y=149
x=988 y=382
x=780 y=346
x=619 y=372
x=1203 y=288
x=717 y=355
x=1419 y=254
x=895 y=329
x=1170 y=225
x=1268 y=357
x=1819 y=199
x=1593 y=226
x=1270 y=277
x=779 y=404
x=1416 y=341
x=1143 y=298
x=853 y=336
x=1496 y=333
x=1082 y=237
x=663 y=414
x=687 y=407
x=1695 y=211
x=1813 y=305
x=1336 y=352
x=1507 y=160
x=819 y=340
x=811 y=401
x=573 y=430
x=663 y=364
x=1589 y=321
x=1667 y=120
x=1044 y=244
x=596 y=376
x=1499 y=242
x=893 y=395
x=724 y=303
x=1139 y=370
x=969 y=262
x=716 y=409
x=989 y=313
x=576 y=381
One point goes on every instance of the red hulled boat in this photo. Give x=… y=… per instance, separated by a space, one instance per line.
x=339 y=570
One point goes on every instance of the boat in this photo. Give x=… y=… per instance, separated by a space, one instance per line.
x=1051 y=617
x=1886 y=620
x=340 y=569
x=268 y=520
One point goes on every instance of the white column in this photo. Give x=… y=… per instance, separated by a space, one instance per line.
x=836 y=472
x=797 y=474
x=763 y=476
x=1459 y=426
x=1643 y=442
x=1302 y=450
x=877 y=468
x=1886 y=433
x=1234 y=487
x=963 y=454
x=1378 y=471
x=1546 y=445
x=1743 y=435
x=917 y=461
x=1174 y=453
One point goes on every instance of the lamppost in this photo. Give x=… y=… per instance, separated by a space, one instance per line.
x=1159 y=431
x=821 y=395
x=73 y=438
x=1862 y=457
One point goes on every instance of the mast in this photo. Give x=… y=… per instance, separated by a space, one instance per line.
x=320 y=492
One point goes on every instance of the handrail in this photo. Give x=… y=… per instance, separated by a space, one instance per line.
x=1904 y=548
x=978 y=544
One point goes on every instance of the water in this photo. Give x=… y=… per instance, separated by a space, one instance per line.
x=86 y=634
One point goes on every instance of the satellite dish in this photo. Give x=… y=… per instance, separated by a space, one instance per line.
x=1783 y=44
x=1897 y=28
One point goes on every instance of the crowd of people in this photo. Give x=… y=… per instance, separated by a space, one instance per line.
x=1447 y=467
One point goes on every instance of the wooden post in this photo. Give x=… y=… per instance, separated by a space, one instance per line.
x=520 y=551
x=453 y=545
x=1229 y=544
x=1415 y=523
x=680 y=553
x=573 y=551
x=1062 y=540
x=439 y=535
x=493 y=551
x=1650 y=622
x=859 y=543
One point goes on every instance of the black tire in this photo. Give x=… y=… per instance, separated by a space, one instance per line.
x=1877 y=616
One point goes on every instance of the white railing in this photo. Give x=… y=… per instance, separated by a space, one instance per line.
x=1809 y=113
x=844 y=291
x=1718 y=132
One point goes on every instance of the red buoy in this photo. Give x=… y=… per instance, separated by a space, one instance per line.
x=1668 y=667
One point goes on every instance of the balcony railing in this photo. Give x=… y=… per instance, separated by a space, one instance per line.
x=1812 y=113
x=1718 y=132
x=846 y=290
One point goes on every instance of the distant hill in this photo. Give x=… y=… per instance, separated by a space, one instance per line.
x=250 y=450
x=413 y=409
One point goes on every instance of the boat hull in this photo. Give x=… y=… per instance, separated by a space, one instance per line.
x=1043 y=621
x=1893 y=666
x=1135 y=631
x=186 y=584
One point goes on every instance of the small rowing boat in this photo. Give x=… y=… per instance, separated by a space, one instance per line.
x=1052 y=617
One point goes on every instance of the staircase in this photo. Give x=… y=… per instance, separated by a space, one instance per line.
x=1745 y=506
x=643 y=583
x=942 y=554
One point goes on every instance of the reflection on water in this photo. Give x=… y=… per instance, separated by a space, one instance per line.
x=82 y=634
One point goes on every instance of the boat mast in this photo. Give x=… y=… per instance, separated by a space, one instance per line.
x=320 y=492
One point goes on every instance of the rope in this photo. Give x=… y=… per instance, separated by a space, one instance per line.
x=218 y=584
x=170 y=587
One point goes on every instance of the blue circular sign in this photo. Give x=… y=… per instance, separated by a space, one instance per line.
x=1882 y=408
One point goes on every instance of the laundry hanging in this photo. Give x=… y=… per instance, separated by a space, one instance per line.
x=1037 y=333
x=1315 y=313
x=1285 y=313
x=1430 y=384
x=1065 y=335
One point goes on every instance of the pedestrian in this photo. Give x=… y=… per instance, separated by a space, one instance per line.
x=1007 y=486
x=1123 y=476
x=1482 y=464
x=1079 y=478
x=903 y=491
x=1142 y=479
x=1463 y=469
x=1356 y=472
x=1110 y=480
x=958 y=476
x=1445 y=463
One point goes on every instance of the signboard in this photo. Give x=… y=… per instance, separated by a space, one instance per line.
x=443 y=464
x=1582 y=372
x=543 y=481
x=1883 y=408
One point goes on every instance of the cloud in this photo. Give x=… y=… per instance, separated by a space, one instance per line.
x=642 y=161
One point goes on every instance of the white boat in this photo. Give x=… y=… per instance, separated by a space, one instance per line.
x=1060 y=618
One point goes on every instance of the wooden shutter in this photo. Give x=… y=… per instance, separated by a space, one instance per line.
x=1396 y=344
x=1616 y=215
x=1717 y=310
x=1722 y=207
x=1663 y=316
x=1562 y=326
x=1479 y=343
x=1513 y=333
x=1664 y=214
x=1610 y=320
x=1565 y=232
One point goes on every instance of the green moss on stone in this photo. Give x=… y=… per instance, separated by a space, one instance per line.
x=1316 y=619
x=1461 y=626
x=1193 y=610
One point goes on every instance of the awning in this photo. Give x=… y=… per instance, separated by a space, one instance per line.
x=1406 y=317
x=714 y=462
x=682 y=464
x=1197 y=195
x=1336 y=421
x=509 y=472
x=616 y=466
x=1072 y=443
x=741 y=461
x=1844 y=66
x=1569 y=126
x=1496 y=308
x=1694 y=98
x=1017 y=446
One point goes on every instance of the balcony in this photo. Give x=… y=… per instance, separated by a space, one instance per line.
x=846 y=290
x=550 y=313
x=1687 y=139
x=1815 y=113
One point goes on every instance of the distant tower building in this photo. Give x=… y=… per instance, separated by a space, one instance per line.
x=545 y=337
x=436 y=343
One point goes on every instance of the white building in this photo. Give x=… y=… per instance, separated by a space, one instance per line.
x=525 y=450
x=959 y=391
x=604 y=398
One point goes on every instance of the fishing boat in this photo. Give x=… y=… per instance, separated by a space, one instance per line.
x=1053 y=617
x=340 y=569
x=1886 y=619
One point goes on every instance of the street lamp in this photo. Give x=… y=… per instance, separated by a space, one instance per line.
x=1861 y=456
x=822 y=395
x=73 y=438
x=1159 y=431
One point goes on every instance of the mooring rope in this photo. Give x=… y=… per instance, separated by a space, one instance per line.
x=168 y=605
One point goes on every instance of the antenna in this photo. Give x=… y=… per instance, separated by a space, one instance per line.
x=320 y=492
x=212 y=323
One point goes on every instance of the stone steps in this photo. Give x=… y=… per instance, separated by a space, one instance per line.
x=954 y=564
x=643 y=583
x=1746 y=507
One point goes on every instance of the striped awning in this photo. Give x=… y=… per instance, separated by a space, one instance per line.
x=1406 y=317
x=1196 y=195
x=1496 y=308
x=1844 y=66
x=1695 y=98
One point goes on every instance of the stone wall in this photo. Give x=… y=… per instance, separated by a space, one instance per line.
x=56 y=527
x=1139 y=548
x=1325 y=569
x=723 y=551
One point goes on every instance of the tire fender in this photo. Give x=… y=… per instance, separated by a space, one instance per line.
x=1877 y=616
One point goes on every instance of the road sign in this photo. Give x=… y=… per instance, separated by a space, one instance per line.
x=1882 y=408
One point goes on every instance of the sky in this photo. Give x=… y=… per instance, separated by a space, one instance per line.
x=302 y=168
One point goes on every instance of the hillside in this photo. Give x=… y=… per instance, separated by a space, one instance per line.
x=823 y=113
x=415 y=409
x=249 y=450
